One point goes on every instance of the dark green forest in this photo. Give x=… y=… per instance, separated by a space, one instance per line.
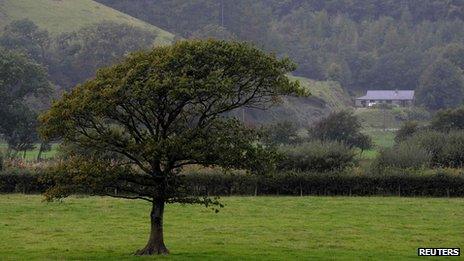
x=375 y=44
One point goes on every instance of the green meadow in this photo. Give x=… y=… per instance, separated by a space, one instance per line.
x=31 y=155
x=258 y=228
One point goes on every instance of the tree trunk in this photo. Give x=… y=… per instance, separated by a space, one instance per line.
x=39 y=156
x=155 y=245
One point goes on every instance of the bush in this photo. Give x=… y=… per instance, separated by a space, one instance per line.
x=444 y=150
x=407 y=130
x=317 y=155
x=341 y=126
x=21 y=182
x=411 y=114
x=280 y=133
x=403 y=155
x=447 y=120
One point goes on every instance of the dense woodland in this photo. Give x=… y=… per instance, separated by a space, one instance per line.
x=361 y=44
x=373 y=44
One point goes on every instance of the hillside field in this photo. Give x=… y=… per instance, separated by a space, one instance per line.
x=258 y=228
x=59 y=16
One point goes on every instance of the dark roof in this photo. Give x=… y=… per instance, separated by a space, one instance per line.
x=388 y=95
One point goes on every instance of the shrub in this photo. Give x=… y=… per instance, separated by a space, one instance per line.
x=284 y=132
x=21 y=182
x=403 y=155
x=341 y=126
x=407 y=130
x=447 y=120
x=316 y=156
x=411 y=113
x=444 y=149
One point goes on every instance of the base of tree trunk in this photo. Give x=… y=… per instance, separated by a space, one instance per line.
x=152 y=250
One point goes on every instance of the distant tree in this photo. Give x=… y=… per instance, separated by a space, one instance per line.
x=455 y=54
x=284 y=132
x=25 y=37
x=340 y=73
x=441 y=86
x=20 y=77
x=160 y=111
x=341 y=126
x=78 y=55
x=397 y=70
x=408 y=129
x=447 y=120
x=19 y=129
x=213 y=32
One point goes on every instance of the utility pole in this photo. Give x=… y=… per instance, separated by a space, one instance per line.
x=222 y=13
x=384 y=117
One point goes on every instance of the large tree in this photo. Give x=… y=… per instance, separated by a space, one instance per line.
x=25 y=37
x=138 y=123
x=441 y=86
x=341 y=126
x=20 y=78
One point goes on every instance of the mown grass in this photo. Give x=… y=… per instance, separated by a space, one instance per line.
x=380 y=139
x=259 y=228
x=70 y=15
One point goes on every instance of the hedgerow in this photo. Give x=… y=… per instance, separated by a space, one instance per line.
x=406 y=182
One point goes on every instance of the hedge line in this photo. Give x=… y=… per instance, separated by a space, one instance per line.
x=439 y=184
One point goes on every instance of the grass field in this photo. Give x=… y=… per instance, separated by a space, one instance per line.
x=264 y=228
x=31 y=155
x=70 y=15
x=373 y=118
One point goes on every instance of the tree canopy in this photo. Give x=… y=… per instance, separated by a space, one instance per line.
x=20 y=77
x=159 y=111
x=384 y=43
x=441 y=86
x=448 y=120
x=343 y=127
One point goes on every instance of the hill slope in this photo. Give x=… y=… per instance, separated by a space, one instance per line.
x=326 y=97
x=58 y=16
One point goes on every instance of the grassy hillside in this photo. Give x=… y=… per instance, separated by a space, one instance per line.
x=326 y=96
x=58 y=16
x=330 y=92
x=248 y=228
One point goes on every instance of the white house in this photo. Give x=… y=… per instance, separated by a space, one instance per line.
x=402 y=98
